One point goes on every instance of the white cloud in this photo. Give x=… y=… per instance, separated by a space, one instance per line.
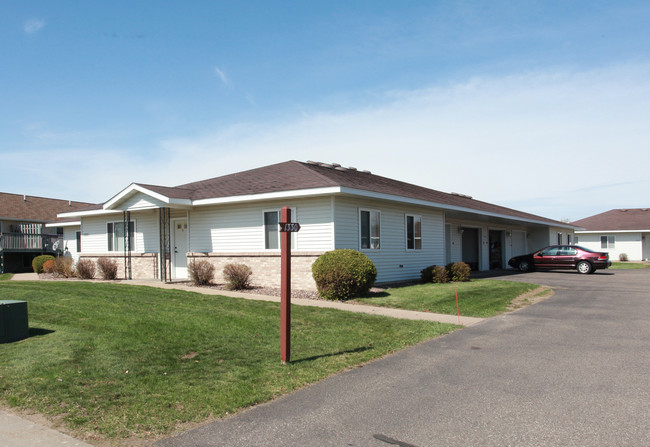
x=560 y=144
x=533 y=140
x=32 y=26
x=222 y=75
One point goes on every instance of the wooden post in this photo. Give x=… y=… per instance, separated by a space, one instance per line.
x=285 y=302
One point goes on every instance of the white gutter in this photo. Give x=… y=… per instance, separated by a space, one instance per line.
x=376 y=195
x=63 y=224
x=268 y=196
x=610 y=231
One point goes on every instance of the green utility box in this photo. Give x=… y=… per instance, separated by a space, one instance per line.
x=13 y=321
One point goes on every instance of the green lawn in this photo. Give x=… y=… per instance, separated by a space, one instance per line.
x=478 y=298
x=118 y=361
x=629 y=265
x=6 y=276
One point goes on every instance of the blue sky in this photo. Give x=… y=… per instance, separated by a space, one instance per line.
x=540 y=106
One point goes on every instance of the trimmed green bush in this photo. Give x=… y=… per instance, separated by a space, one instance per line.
x=343 y=274
x=38 y=261
x=459 y=272
x=440 y=274
x=426 y=274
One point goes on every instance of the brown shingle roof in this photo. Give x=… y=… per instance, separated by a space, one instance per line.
x=295 y=175
x=39 y=209
x=617 y=220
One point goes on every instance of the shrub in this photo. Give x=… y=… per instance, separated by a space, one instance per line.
x=440 y=274
x=63 y=266
x=201 y=273
x=459 y=271
x=107 y=268
x=426 y=274
x=48 y=266
x=237 y=276
x=343 y=274
x=85 y=269
x=623 y=257
x=38 y=261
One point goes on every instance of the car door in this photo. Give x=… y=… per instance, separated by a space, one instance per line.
x=543 y=259
x=565 y=257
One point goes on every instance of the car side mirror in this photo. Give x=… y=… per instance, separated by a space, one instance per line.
x=539 y=255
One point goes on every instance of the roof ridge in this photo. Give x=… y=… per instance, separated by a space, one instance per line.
x=307 y=166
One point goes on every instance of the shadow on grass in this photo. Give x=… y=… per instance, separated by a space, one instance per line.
x=316 y=357
x=38 y=332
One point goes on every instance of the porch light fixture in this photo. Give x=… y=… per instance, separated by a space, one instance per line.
x=460 y=230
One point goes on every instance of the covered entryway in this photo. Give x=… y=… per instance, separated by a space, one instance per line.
x=180 y=244
x=497 y=239
x=471 y=246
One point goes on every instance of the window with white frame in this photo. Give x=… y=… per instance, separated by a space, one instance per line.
x=370 y=229
x=272 y=229
x=413 y=232
x=78 y=237
x=607 y=242
x=559 y=238
x=115 y=233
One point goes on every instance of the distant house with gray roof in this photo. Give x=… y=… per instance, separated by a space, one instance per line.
x=234 y=218
x=618 y=232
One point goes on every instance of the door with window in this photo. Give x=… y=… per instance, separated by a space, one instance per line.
x=180 y=244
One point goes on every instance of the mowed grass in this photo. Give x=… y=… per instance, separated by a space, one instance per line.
x=6 y=276
x=118 y=361
x=477 y=298
x=629 y=265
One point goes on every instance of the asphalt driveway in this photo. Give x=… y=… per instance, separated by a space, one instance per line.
x=573 y=370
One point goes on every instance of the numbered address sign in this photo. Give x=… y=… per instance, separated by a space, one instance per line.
x=289 y=227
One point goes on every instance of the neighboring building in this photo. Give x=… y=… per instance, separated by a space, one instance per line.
x=621 y=231
x=234 y=218
x=23 y=230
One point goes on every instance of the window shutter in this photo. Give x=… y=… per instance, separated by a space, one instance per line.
x=109 y=233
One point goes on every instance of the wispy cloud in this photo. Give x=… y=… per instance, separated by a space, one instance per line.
x=561 y=144
x=32 y=26
x=222 y=75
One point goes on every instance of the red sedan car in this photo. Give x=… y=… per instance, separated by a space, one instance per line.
x=562 y=257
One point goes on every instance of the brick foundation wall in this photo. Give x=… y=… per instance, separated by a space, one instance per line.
x=265 y=267
x=143 y=265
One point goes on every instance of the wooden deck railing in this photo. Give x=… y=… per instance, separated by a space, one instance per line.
x=33 y=242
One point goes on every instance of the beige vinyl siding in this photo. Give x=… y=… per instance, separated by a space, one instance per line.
x=240 y=228
x=393 y=261
x=70 y=241
x=94 y=237
x=629 y=243
x=141 y=201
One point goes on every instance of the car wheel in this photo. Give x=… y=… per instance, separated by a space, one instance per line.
x=584 y=267
x=524 y=266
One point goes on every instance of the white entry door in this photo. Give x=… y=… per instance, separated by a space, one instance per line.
x=180 y=248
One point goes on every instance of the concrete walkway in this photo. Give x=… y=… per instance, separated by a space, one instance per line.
x=18 y=432
x=349 y=307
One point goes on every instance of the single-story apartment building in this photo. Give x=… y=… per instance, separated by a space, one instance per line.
x=24 y=233
x=618 y=232
x=401 y=227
